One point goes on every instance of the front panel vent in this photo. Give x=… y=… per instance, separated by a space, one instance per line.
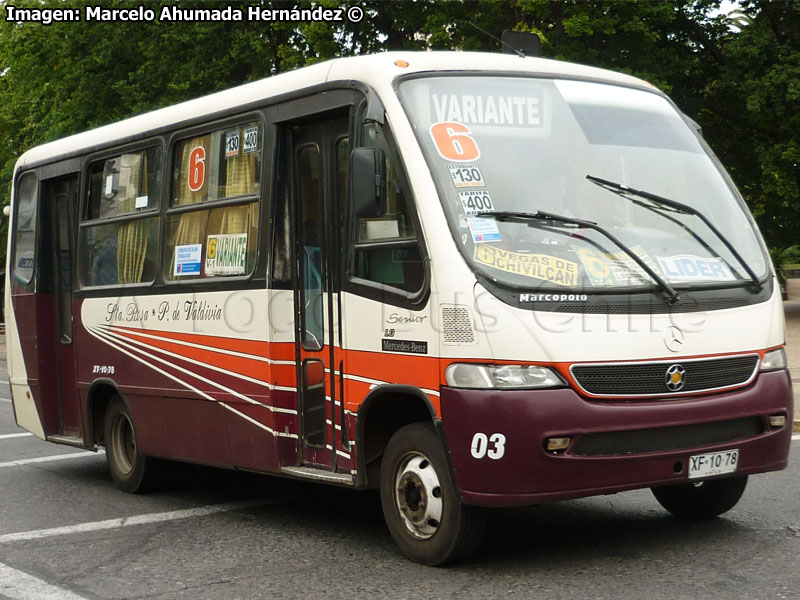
x=457 y=325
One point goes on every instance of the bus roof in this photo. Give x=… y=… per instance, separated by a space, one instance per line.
x=376 y=70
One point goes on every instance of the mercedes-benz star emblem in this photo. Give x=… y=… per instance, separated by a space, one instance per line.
x=673 y=338
x=675 y=378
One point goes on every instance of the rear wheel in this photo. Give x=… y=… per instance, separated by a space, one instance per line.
x=420 y=504
x=131 y=470
x=701 y=500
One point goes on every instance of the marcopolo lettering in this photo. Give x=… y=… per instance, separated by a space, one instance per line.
x=553 y=297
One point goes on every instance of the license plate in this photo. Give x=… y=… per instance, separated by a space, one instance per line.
x=714 y=463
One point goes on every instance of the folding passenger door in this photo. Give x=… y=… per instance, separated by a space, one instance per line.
x=317 y=193
x=60 y=198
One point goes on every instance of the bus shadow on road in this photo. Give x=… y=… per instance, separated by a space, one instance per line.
x=596 y=528
x=628 y=526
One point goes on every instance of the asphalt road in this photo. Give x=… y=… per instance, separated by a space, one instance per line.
x=66 y=533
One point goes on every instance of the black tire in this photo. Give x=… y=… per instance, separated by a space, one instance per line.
x=701 y=500
x=420 y=504
x=132 y=471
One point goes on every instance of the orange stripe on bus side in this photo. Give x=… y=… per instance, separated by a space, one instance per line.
x=383 y=367
x=248 y=367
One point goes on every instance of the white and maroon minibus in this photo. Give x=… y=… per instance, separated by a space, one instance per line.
x=468 y=280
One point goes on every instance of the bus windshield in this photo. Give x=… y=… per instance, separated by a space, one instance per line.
x=519 y=145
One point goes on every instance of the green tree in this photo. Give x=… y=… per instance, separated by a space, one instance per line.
x=740 y=83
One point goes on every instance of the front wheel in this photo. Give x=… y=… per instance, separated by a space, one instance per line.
x=701 y=500
x=131 y=470
x=419 y=500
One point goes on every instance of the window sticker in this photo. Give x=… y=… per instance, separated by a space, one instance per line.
x=484 y=230
x=687 y=267
x=475 y=202
x=454 y=142
x=250 y=139
x=477 y=109
x=197 y=169
x=232 y=143
x=466 y=175
x=109 y=185
x=381 y=230
x=226 y=254
x=187 y=259
x=614 y=268
x=141 y=201
x=537 y=266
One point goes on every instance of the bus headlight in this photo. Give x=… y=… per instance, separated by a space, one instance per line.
x=461 y=375
x=774 y=360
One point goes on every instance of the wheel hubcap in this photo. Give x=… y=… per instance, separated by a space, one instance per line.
x=418 y=495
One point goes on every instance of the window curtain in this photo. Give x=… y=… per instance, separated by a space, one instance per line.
x=240 y=178
x=192 y=225
x=132 y=236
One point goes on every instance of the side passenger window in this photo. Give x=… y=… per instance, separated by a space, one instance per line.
x=24 y=251
x=224 y=167
x=387 y=250
x=119 y=228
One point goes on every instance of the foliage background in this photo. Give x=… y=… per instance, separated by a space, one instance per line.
x=734 y=68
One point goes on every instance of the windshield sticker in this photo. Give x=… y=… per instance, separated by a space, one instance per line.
x=226 y=254
x=479 y=109
x=475 y=202
x=484 y=230
x=187 y=259
x=687 y=267
x=538 y=266
x=453 y=142
x=614 y=268
x=466 y=176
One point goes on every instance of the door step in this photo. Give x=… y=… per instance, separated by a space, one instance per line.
x=318 y=475
x=66 y=439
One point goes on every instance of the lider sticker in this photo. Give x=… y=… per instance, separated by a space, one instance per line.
x=686 y=267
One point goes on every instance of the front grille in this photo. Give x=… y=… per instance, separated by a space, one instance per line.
x=663 y=439
x=649 y=379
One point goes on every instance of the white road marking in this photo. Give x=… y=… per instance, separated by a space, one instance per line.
x=41 y=459
x=8 y=436
x=796 y=436
x=5 y=400
x=17 y=585
x=3 y=381
x=145 y=519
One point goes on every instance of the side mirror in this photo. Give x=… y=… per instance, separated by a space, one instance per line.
x=368 y=176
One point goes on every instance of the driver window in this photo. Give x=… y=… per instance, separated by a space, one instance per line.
x=387 y=247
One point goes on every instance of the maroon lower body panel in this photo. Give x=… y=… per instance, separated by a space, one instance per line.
x=615 y=446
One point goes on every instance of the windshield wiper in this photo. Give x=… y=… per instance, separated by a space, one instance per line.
x=660 y=202
x=533 y=218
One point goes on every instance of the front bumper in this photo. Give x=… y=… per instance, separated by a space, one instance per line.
x=515 y=469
